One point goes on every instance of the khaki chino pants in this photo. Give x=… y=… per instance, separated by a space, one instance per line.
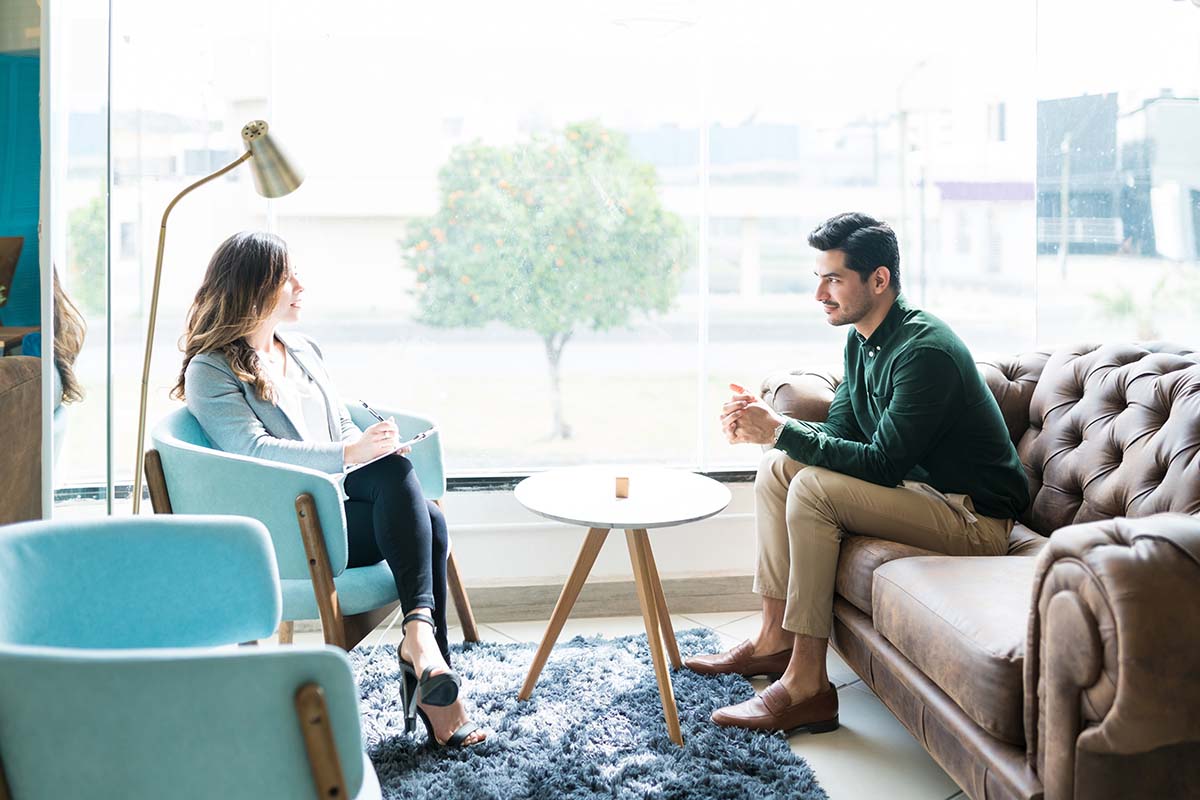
x=802 y=513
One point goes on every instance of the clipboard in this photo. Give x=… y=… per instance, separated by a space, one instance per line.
x=420 y=437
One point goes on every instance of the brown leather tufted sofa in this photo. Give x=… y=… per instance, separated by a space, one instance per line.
x=1069 y=668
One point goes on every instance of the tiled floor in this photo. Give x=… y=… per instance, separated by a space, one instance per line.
x=870 y=756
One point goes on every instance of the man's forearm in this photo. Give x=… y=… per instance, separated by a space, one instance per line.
x=810 y=443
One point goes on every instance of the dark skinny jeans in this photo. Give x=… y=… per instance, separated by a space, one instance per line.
x=388 y=518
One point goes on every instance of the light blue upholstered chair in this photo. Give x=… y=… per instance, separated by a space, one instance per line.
x=113 y=683
x=302 y=510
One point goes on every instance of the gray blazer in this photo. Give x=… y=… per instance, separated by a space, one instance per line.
x=236 y=421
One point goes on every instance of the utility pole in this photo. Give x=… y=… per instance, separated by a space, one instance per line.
x=902 y=116
x=902 y=121
x=1064 y=200
x=921 y=201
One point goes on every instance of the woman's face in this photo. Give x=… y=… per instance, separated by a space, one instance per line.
x=289 y=301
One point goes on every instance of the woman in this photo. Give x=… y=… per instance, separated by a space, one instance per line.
x=70 y=328
x=261 y=393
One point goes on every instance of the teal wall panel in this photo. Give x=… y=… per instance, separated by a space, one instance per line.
x=20 y=173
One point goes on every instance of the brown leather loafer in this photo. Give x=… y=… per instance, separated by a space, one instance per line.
x=773 y=710
x=741 y=661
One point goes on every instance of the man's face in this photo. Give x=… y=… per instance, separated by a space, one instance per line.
x=845 y=297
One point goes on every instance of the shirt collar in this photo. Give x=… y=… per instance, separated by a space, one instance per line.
x=893 y=320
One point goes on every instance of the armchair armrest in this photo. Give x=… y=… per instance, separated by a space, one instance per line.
x=427 y=457
x=1111 y=658
x=206 y=481
x=801 y=394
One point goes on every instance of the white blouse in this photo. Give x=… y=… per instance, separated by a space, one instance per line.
x=301 y=399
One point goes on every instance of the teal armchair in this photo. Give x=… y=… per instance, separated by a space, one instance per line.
x=302 y=510
x=117 y=681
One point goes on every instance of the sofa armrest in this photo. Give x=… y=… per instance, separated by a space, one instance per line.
x=1112 y=653
x=801 y=394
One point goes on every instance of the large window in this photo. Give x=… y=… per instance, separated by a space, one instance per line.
x=562 y=229
x=1118 y=173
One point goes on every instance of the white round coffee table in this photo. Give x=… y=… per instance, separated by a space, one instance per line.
x=658 y=498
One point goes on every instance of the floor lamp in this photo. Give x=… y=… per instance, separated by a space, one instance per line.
x=274 y=176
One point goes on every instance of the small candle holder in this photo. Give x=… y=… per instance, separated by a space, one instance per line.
x=622 y=487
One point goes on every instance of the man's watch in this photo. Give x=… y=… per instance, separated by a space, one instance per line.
x=778 y=432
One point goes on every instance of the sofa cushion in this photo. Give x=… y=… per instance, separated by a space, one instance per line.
x=862 y=555
x=962 y=621
x=858 y=560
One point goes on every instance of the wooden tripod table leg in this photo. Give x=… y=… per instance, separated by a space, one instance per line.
x=649 y=603
x=562 y=609
x=660 y=600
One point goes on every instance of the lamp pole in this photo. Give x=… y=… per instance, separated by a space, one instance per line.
x=274 y=176
x=162 y=241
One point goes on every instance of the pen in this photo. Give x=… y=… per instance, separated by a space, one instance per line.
x=372 y=411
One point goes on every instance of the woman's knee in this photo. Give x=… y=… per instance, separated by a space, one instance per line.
x=395 y=468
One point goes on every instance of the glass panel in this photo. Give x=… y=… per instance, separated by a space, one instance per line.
x=568 y=254
x=470 y=184
x=886 y=115
x=492 y=230
x=79 y=175
x=1118 y=172
x=180 y=95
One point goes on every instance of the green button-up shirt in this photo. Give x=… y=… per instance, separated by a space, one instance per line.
x=913 y=406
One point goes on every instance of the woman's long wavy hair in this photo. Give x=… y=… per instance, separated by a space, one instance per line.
x=69 y=331
x=240 y=289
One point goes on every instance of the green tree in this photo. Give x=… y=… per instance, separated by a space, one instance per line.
x=86 y=231
x=549 y=235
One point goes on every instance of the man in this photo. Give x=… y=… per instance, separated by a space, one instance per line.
x=914 y=450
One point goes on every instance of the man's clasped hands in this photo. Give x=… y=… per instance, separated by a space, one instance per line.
x=747 y=419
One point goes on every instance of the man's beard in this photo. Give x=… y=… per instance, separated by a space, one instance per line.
x=843 y=315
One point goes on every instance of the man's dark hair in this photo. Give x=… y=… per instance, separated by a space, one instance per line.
x=867 y=242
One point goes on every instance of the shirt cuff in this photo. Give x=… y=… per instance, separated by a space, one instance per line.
x=791 y=435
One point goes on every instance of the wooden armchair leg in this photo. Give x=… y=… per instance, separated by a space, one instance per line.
x=286 y=631
x=462 y=603
x=360 y=626
x=156 y=480
x=332 y=622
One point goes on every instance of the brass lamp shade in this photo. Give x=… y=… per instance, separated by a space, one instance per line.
x=274 y=173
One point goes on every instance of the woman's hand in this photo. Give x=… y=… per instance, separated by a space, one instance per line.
x=377 y=440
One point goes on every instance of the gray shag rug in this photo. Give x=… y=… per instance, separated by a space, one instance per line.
x=593 y=728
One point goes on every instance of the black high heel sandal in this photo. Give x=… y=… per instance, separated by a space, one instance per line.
x=432 y=690
x=457 y=740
